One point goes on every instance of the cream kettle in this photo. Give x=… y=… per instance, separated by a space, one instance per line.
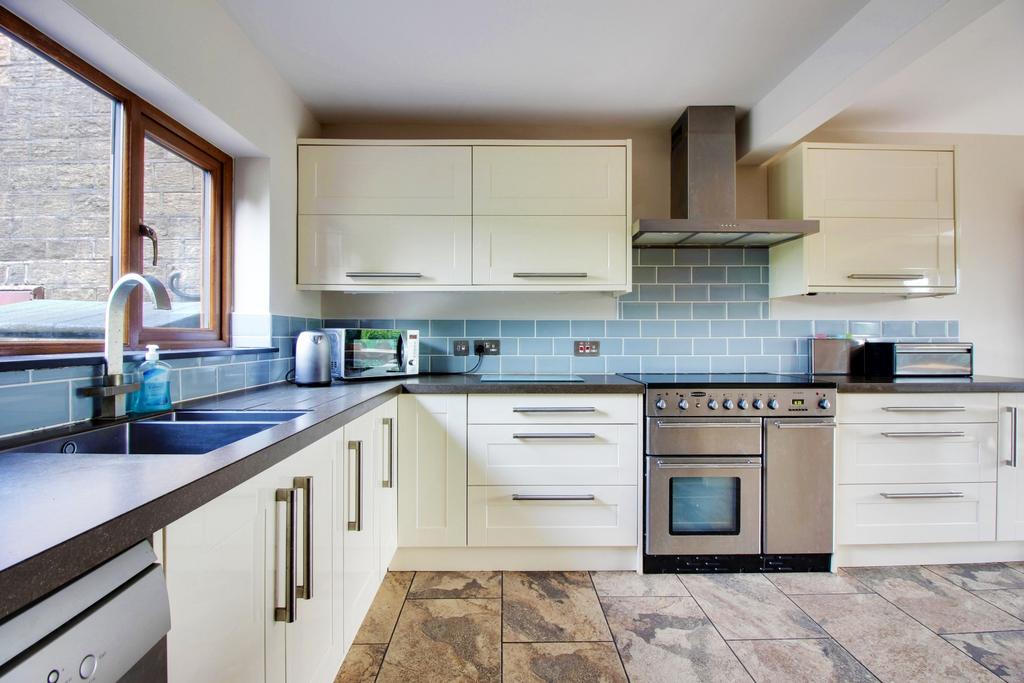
x=312 y=359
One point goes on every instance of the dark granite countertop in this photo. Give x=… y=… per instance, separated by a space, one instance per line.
x=925 y=385
x=63 y=515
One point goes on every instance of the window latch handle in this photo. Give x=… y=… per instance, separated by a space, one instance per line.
x=146 y=231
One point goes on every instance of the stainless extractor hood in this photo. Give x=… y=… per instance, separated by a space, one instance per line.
x=704 y=191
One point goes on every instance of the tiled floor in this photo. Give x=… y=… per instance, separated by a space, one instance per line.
x=930 y=623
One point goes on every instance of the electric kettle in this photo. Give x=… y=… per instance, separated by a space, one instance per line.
x=312 y=359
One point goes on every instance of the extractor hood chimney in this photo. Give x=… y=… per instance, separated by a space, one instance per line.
x=703 y=201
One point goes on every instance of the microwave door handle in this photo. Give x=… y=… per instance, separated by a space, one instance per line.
x=400 y=351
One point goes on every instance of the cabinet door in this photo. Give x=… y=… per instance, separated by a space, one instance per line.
x=309 y=639
x=386 y=419
x=221 y=592
x=432 y=469
x=385 y=179
x=549 y=250
x=361 y=554
x=385 y=250
x=878 y=183
x=882 y=252
x=549 y=180
x=1010 y=515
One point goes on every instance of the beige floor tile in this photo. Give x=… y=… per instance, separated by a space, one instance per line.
x=445 y=640
x=816 y=583
x=976 y=577
x=456 y=585
x=749 y=606
x=808 y=659
x=380 y=620
x=935 y=602
x=669 y=639
x=561 y=662
x=631 y=584
x=1015 y=566
x=551 y=606
x=361 y=664
x=1011 y=601
x=889 y=643
x=1001 y=652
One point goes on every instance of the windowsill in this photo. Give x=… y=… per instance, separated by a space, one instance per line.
x=62 y=360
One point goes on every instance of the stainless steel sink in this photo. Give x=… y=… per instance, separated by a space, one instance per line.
x=180 y=432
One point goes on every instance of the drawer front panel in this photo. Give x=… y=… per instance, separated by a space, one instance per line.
x=553 y=455
x=893 y=453
x=554 y=409
x=963 y=513
x=569 y=516
x=917 y=408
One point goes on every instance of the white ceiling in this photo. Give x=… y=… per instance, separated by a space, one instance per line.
x=534 y=61
x=971 y=83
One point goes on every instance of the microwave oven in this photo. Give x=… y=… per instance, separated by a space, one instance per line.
x=362 y=353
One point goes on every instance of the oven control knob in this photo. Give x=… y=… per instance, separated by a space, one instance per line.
x=772 y=404
x=683 y=404
x=758 y=404
x=742 y=405
x=728 y=404
x=824 y=404
x=660 y=404
x=712 y=404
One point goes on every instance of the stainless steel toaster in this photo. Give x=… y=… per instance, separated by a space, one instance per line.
x=312 y=359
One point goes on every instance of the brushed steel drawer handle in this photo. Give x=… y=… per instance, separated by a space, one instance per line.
x=554 y=409
x=530 y=496
x=360 y=273
x=884 y=276
x=527 y=275
x=810 y=425
x=355 y=521
x=921 y=435
x=935 y=494
x=751 y=464
x=924 y=409
x=287 y=613
x=1013 y=436
x=388 y=426
x=305 y=484
x=580 y=435
x=706 y=425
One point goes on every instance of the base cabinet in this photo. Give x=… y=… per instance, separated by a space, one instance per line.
x=1010 y=514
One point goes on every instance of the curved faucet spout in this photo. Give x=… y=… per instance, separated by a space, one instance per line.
x=113 y=343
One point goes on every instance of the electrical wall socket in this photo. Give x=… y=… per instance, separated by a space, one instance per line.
x=460 y=347
x=586 y=348
x=487 y=347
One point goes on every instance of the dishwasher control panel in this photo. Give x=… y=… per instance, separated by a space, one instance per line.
x=741 y=402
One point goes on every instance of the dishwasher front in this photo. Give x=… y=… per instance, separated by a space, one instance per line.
x=107 y=626
x=798 y=490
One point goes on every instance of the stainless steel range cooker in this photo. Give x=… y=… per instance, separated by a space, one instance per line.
x=738 y=472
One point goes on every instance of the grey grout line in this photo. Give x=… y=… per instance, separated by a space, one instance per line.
x=715 y=626
x=600 y=604
x=391 y=637
x=974 y=594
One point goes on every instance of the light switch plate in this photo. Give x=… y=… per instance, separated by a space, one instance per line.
x=460 y=347
x=586 y=348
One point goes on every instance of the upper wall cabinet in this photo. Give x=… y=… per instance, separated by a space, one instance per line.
x=484 y=215
x=408 y=180
x=888 y=219
x=549 y=181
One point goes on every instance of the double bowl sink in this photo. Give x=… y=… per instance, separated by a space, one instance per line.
x=178 y=432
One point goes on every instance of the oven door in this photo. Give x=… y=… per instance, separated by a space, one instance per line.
x=373 y=353
x=703 y=506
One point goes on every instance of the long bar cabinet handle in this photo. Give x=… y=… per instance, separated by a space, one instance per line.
x=287 y=613
x=305 y=484
x=567 y=435
x=884 y=276
x=355 y=451
x=924 y=409
x=366 y=273
x=1014 y=412
x=388 y=426
x=925 y=494
x=531 y=496
x=921 y=435
x=554 y=409
x=567 y=275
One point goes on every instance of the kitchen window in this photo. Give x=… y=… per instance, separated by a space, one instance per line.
x=96 y=182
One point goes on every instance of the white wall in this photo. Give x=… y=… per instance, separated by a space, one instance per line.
x=189 y=58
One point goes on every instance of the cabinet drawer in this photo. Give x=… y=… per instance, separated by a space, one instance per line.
x=959 y=513
x=549 y=180
x=917 y=408
x=553 y=454
x=556 y=515
x=541 y=251
x=554 y=409
x=915 y=453
x=385 y=250
x=385 y=179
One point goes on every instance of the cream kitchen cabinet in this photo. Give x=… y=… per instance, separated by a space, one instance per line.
x=432 y=470
x=232 y=566
x=887 y=218
x=450 y=215
x=408 y=180
x=1011 y=468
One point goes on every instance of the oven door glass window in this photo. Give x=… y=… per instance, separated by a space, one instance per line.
x=373 y=352
x=701 y=506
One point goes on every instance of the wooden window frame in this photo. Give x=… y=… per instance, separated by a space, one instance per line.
x=139 y=117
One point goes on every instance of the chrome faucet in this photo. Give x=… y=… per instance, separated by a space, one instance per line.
x=113 y=390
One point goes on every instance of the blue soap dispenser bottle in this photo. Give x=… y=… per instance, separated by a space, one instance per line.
x=155 y=393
